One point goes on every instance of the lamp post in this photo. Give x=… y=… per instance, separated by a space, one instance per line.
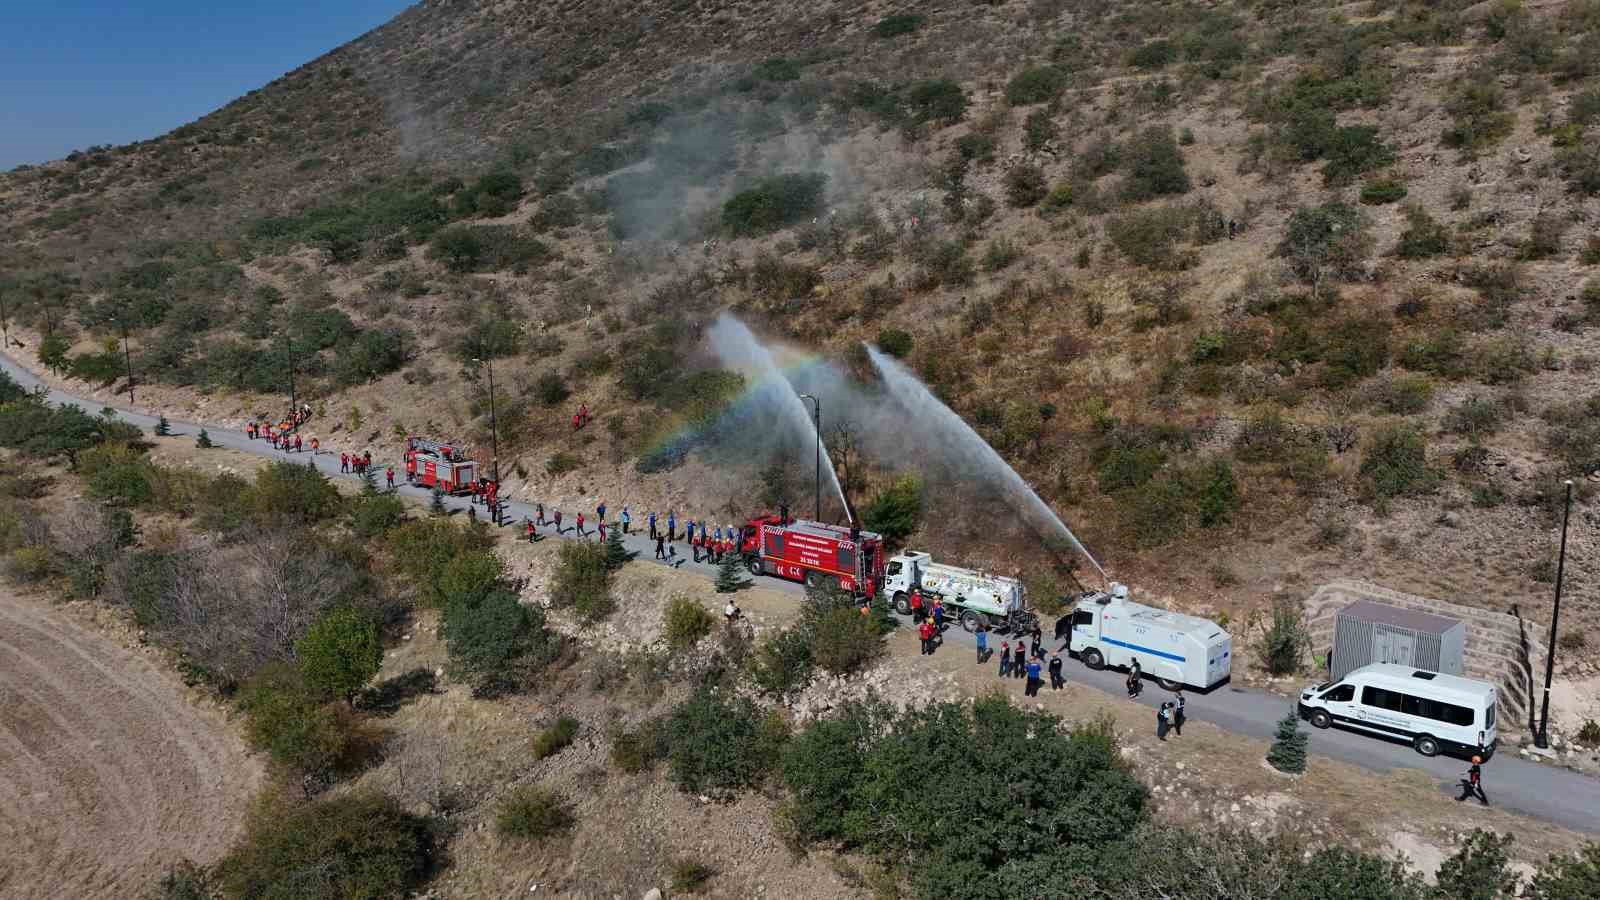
x=127 y=357
x=494 y=434
x=818 y=429
x=1542 y=740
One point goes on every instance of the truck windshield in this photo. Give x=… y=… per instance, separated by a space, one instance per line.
x=894 y=568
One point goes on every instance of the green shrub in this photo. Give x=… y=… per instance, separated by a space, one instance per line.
x=1288 y=750
x=1474 y=418
x=1152 y=55
x=895 y=342
x=1025 y=185
x=346 y=846
x=340 y=652
x=117 y=475
x=1038 y=130
x=638 y=750
x=1284 y=643
x=1423 y=237
x=773 y=203
x=551 y=389
x=554 y=739
x=687 y=875
x=373 y=516
x=895 y=25
x=1382 y=191
x=530 y=812
x=684 y=622
x=842 y=640
x=32 y=564
x=1544 y=237
x=583 y=582
x=562 y=463
x=289 y=720
x=1402 y=396
x=1397 y=464
x=495 y=641
x=1036 y=84
x=1479 y=118
x=719 y=745
x=1328 y=241
x=1351 y=151
x=1149 y=237
x=1154 y=166
x=976 y=147
x=782 y=663
x=293 y=494
x=896 y=511
x=940 y=100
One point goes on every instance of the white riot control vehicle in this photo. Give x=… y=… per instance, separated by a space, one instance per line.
x=1108 y=629
x=973 y=598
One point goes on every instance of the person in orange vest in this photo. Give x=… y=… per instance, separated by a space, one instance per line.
x=344 y=463
x=314 y=446
x=390 y=474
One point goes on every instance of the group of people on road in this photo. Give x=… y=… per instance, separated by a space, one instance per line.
x=356 y=463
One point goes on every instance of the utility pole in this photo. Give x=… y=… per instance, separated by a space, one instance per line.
x=817 y=427
x=5 y=325
x=1542 y=740
x=127 y=357
x=494 y=437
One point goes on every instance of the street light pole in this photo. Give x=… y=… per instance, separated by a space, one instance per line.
x=127 y=357
x=494 y=432
x=1542 y=740
x=818 y=429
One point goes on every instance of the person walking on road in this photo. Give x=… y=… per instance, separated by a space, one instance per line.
x=297 y=443
x=1135 y=683
x=1035 y=648
x=532 y=535
x=600 y=513
x=1163 y=720
x=938 y=616
x=626 y=519
x=1019 y=661
x=389 y=475
x=982 y=637
x=1056 y=681
x=600 y=529
x=916 y=606
x=652 y=520
x=558 y=522
x=661 y=547
x=1032 y=690
x=1005 y=659
x=925 y=631
x=1472 y=782
x=538 y=513
x=344 y=464
x=580 y=526
x=672 y=526
x=1177 y=712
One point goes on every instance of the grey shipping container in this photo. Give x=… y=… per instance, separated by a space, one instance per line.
x=1366 y=632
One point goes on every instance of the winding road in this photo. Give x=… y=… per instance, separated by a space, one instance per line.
x=1546 y=792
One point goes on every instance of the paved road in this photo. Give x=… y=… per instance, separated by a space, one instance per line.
x=1546 y=792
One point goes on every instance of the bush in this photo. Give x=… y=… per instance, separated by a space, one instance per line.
x=895 y=342
x=1025 y=185
x=1038 y=130
x=688 y=875
x=562 y=463
x=554 y=739
x=374 y=515
x=1148 y=237
x=289 y=720
x=773 y=203
x=1328 y=241
x=486 y=248
x=183 y=881
x=1351 y=151
x=1154 y=166
x=1396 y=464
x=1479 y=118
x=782 y=663
x=940 y=100
x=530 y=812
x=340 y=652
x=290 y=494
x=842 y=640
x=1474 y=418
x=1403 y=395
x=1283 y=646
x=640 y=749
x=896 y=25
x=684 y=622
x=896 y=511
x=1382 y=191
x=719 y=745
x=1036 y=84
x=1423 y=237
x=495 y=641
x=583 y=582
x=352 y=845
x=1152 y=55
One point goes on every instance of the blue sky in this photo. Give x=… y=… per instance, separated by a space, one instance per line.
x=74 y=73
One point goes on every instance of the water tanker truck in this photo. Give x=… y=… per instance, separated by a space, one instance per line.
x=974 y=598
x=1105 y=628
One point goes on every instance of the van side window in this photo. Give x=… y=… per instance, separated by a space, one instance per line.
x=1378 y=698
x=1344 y=693
x=1082 y=617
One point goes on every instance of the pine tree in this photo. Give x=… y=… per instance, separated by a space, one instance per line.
x=437 y=507
x=204 y=441
x=1288 y=751
x=163 y=427
x=617 y=555
x=369 y=482
x=730 y=575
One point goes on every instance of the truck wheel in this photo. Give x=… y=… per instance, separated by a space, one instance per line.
x=755 y=566
x=1426 y=745
x=902 y=605
x=812 y=580
x=1092 y=658
x=971 y=621
x=1321 y=719
x=1167 y=684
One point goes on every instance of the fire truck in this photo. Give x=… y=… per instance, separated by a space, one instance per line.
x=814 y=552
x=433 y=463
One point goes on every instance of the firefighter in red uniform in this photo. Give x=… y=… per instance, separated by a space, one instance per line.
x=411 y=465
x=494 y=502
x=532 y=535
x=477 y=490
x=344 y=463
x=390 y=474
x=366 y=461
x=297 y=442
x=580 y=524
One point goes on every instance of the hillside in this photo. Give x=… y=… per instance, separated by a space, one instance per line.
x=1253 y=294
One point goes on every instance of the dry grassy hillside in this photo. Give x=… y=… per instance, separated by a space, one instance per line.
x=1254 y=294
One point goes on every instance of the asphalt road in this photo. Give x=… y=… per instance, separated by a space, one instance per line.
x=1546 y=792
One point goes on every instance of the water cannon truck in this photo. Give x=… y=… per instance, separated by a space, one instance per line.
x=816 y=553
x=1105 y=628
x=975 y=598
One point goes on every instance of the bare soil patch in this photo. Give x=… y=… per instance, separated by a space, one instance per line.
x=109 y=768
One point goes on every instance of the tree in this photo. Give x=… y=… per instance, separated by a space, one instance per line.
x=1479 y=870
x=583 y=582
x=1288 y=750
x=730 y=574
x=494 y=641
x=720 y=744
x=204 y=441
x=163 y=427
x=1330 y=240
x=53 y=352
x=340 y=652
x=617 y=555
x=896 y=511
x=1564 y=877
x=436 y=505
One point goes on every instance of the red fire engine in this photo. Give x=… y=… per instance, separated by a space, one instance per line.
x=433 y=463
x=814 y=552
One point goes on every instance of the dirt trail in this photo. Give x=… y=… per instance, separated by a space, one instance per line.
x=107 y=771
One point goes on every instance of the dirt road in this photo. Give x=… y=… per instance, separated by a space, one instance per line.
x=108 y=772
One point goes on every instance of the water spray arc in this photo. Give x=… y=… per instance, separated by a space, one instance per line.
x=975 y=452
x=739 y=349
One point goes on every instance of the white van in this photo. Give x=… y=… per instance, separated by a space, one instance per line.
x=1433 y=711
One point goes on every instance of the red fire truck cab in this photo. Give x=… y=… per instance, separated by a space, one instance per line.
x=433 y=463
x=814 y=552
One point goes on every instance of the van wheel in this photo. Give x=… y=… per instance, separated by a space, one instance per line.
x=755 y=566
x=1426 y=745
x=1321 y=719
x=972 y=620
x=902 y=605
x=1093 y=659
x=1167 y=684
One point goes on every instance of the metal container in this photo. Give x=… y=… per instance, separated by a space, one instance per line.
x=1366 y=632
